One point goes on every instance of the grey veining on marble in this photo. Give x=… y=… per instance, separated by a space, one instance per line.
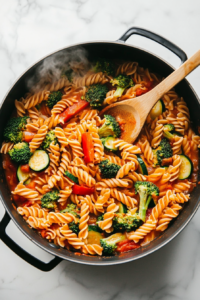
x=28 y=31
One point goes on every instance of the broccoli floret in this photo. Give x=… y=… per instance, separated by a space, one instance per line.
x=146 y=191
x=164 y=150
x=122 y=82
x=95 y=227
x=167 y=131
x=105 y=66
x=50 y=137
x=126 y=222
x=100 y=218
x=96 y=94
x=20 y=153
x=13 y=130
x=53 y=98
x=74 y=227
x=49 y=199
x=110 y=244
x=71 y=209
x=110 y=127
x=108 y=169
x=69 y=75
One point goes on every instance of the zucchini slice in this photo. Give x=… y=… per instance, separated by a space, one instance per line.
x=108 y=143
x=22 y=176
x=157 y=110
x=186 y=167
x=142 y=169
x=72 y=177
x=122 y=208
x=39 y=161
x=94 y=236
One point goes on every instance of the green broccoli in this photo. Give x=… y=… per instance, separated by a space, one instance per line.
x=105 y=66
x=95 y=227
x=96 y=94
x=49 y=199
x=50 y=137
x=20 y=153
x=53 y=98
x=69 y=74
x=167 y=131
x=108 y=143
x=146 y=191
x=164 y=150
x=71 y=209
x=13 y=130
x=126 y=222
x=74 y=227
x=122 y=82
x=108 y=169
x=109 y=244
x=110 y=127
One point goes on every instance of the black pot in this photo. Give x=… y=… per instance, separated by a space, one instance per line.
x=118 y=50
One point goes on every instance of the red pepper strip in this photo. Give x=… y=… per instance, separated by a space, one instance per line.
x=28 y=136
x=82 y=190
x=126 y=246
x=139 y=92
x=88 y=147
x=31 y=185
x=73 y=110
x=25 y=168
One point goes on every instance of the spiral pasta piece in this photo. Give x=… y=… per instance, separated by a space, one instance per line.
x=83 y=223
x=88 y=199
x=182 y=198
x=20 y=108
x=98 y=147
x=122 y=145
x=52 y=121
x=175 y=168
x=64 y=195
x=114 y=159
x=38 y=223
x=106 y=224
x=102 y=199
x=61 y=105
x=90 y=79
x=146 y=150
x=36 y=99
x=82 y=175
x=127 y=200
x=112 y=183
x=128 y=68
x=58 y=85
x=177 y=144
x=186 y=145
x=124 y=170
x=6 y=147
x=53 y=181
x=157 y=175
x=181 y=186
x=92 y=249
x=38 y=138
x=75 y=145
x=136 y=177
x=158 y=132
x=25 y=192
x=64 y=163
x=88 y=114
x=183 y=116
x=59 y=132
x=33 y=114
x=168 y=214
x=61 y=218
x=71 y=237
x=32 y=211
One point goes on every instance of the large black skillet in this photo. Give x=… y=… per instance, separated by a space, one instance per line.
x=118 y=50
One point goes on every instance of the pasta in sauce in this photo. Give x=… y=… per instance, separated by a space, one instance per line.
x=81 y=185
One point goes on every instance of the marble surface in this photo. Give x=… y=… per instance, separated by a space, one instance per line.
x=30 y=29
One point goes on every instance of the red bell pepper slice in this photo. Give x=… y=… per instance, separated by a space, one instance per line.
x=73 y=110
x=82 y=190
x=88 y=147
x=31 y=185
x=127 y=246
x=28 y=136
x=25 y=168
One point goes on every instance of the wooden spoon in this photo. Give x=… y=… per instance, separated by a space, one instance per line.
x=135 y=111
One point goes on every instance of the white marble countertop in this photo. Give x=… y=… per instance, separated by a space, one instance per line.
x=28 y=31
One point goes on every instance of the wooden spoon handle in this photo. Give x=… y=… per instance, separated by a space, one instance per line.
x=175 y=77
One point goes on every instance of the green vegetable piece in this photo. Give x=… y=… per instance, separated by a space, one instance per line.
x=108 y=143
x=126 y=222
x=164 y=150
x=74 y=227
x=110 y=244
x=122 y=82
x=108 y=169
x=49 y=199
x=49 y=138
x=13 y=130
x=71 y=209
x=53 y=98
x=72 y=177
x=167 y=131
x=110 y=127
x=20 y=153
x=105 y=66
x=96 y=94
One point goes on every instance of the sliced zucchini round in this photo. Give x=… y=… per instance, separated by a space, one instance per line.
x=142 y=169
x=39 y=161
x=157 y=110
x=109 y=143
x=186 y=167
x=22 y=176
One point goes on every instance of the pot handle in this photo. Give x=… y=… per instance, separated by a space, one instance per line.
x=157 y=38
x=21 y=252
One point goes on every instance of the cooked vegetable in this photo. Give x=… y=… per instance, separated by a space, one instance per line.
x=186 y=167
x=82 y=190
x=110 y=244
x=22 y=176
x=108 y=169
x=108 y=143
x=122 y=208
x=49 y=199
x=72 y=177
x=71 y=209
x=88 y=147
x=142 y=169
x=167 y=131
x=94 y=234
x=20 y=153
x=157 y=110
x=28 y=136
x=71 y=111
x=53 y=98
x=13 y=130
x=164 y=150
x=39 y=161
x=74 y=227
x=146 y=191
x=105 y=66
x=96 y=94
x=110 y=127
x=69 y=74
x=126 y=222
x=122 y=82
x=49 y=138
